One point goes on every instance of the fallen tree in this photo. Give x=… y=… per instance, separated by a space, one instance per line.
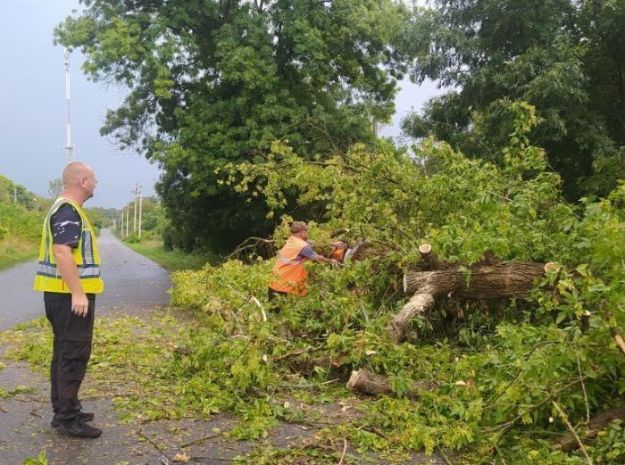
x=485 y=280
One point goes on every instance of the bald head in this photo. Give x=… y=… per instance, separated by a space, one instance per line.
x=74 y=173
x=78 y=181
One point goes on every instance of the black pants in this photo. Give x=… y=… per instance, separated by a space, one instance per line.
x=71 y=352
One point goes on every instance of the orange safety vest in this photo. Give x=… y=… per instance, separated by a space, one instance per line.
x=289 y=273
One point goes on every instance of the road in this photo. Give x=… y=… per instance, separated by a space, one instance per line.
x=131 y=281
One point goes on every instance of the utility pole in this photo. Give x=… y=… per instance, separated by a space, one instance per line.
x=140 y=208
x=134 y=224
x=69 y=146
x=127 y=219
x=121 y=223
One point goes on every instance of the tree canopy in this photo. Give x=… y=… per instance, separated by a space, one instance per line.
x=565 y=57
x=216 y=81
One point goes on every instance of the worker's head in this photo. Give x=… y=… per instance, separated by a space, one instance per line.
x=299 y=229
x=78 y=181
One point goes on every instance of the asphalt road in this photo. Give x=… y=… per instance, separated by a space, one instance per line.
x=131 y=282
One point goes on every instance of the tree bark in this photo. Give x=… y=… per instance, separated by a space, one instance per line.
x=503 y=280
x=419 y=303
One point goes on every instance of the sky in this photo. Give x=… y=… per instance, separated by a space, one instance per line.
x=33 y=109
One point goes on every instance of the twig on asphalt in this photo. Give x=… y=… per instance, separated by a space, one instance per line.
x=202 y=439
x=165 y=460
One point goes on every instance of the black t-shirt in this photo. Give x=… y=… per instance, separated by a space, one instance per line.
x=66 y=226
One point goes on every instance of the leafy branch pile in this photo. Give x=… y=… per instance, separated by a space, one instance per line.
x=510 y=376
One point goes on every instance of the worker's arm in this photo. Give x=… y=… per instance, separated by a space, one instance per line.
x=321 y=259
x=67 y=267
x=310 y=254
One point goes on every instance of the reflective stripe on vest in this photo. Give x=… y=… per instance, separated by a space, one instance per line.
x=289 y=274
x=86 y=256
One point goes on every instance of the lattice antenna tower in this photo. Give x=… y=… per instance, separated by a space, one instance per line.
x=69 y=145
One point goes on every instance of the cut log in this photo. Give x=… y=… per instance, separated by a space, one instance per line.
x=569 y=442
x=552 y=267
x=503 y=280
x=369 y=383
x=365 y=382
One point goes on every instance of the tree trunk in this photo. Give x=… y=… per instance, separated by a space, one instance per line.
x=503 y=280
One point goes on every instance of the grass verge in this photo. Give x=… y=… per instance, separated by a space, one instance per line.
x=16 y=250
x=171 y=260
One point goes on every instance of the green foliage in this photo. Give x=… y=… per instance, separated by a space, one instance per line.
x=41 y=459
x=132 y=238
x=610 y=445
x=388 y=196
x=562 y=56
x=213 y=82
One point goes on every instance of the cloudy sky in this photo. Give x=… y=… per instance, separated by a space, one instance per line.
x=32 y=118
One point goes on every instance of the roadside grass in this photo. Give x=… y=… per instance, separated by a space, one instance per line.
x=171 y=260
x=15 y=250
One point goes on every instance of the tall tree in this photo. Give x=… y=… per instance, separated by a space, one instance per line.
x=566 y=57
x=215 y=81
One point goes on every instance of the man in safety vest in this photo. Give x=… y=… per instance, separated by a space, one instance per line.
x=289 y=274
x=68 y=274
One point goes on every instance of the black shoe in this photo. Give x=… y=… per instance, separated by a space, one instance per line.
x=79 y=429
x=83 y=416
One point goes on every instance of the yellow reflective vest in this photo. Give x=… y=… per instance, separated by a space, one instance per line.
x=86 y=256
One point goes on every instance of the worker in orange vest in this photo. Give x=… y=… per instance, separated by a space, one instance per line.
x=289 y=274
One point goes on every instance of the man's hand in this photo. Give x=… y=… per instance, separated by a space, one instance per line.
x=80 y=305
x=67 y=266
